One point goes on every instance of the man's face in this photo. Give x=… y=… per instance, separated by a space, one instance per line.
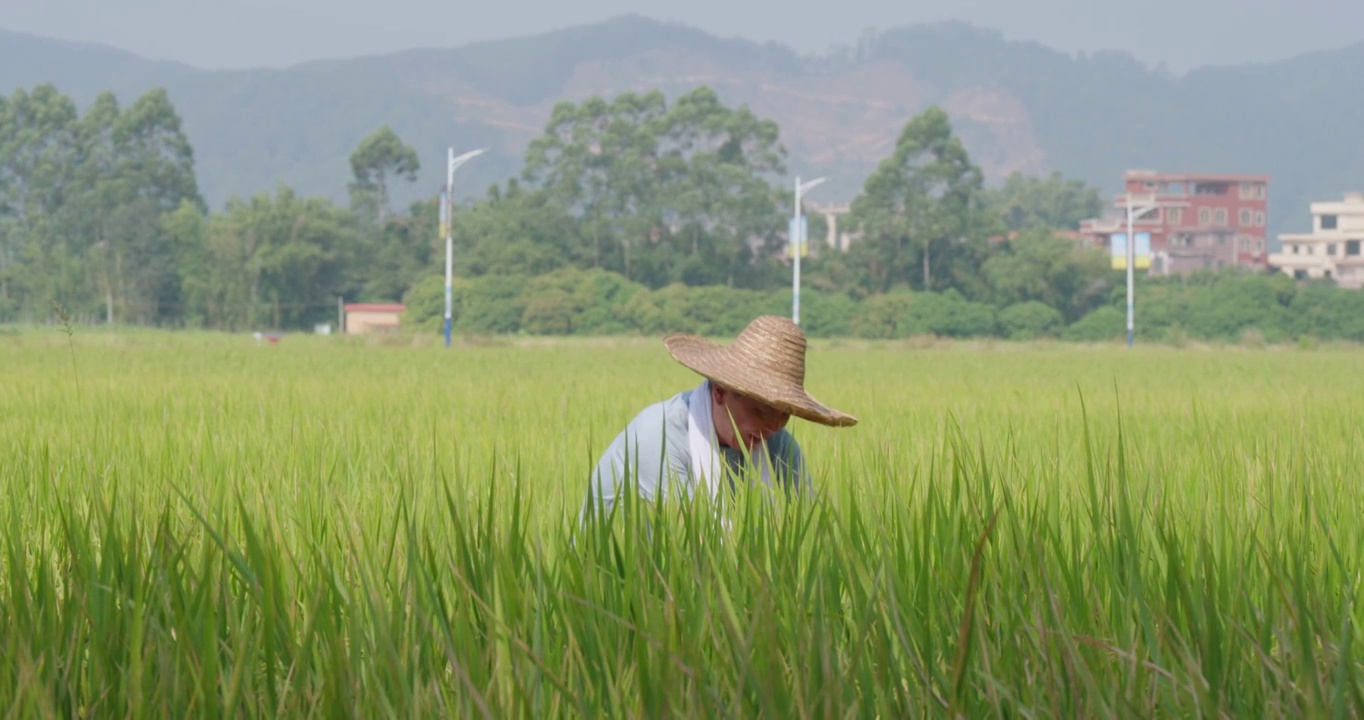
x=756 y=421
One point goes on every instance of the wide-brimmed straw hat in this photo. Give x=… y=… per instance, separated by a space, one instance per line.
x=766 y=362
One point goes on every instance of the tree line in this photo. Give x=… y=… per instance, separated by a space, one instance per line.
x=1225 y=307
x=631 y=214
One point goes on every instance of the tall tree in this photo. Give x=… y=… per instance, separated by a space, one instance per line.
x=139 y=167
x=918 y=207
x=187 y=233
x=600 y=160
x=1025 y=202
x=720 y=159
x=376 y=161
x=662 y=193
x=40 y=257
x=515 y=231
x=394 y=256
x=276 y=261
x=81 y=198
x=1040 y=265
x=98 y=192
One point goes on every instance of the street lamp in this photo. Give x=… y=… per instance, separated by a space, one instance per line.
x=796 y=237
x=447 y=212
x=1131 y=258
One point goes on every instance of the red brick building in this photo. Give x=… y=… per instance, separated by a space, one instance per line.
x=1201 y=220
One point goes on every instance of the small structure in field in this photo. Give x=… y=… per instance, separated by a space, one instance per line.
x=368 y=318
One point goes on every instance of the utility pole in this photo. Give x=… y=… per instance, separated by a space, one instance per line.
x=1131 y=262
x=798 y=235
x=447 y=217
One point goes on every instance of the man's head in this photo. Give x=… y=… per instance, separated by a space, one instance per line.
x=755 y=421
x=765 y=365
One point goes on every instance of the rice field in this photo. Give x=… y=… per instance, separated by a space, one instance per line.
x=197 y=526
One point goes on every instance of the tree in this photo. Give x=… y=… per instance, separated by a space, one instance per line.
x=140 y=167
x=391 y=257
x=375 y=161
x=42 y=253
x=81 y=202
x=187 y=231
x=515 y=231
x=719 y=160
x=600 y=161
x=663 y=194
x=276 y=261
x=917 y=204
x=1030 y=320
x=1026 y=202
x=1041 y=266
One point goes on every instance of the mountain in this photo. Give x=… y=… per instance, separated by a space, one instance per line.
x=1017 y=106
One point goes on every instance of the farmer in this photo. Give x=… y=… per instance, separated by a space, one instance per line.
x=739 y=412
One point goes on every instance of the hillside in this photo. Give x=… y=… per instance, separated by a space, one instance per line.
x=1018 y=106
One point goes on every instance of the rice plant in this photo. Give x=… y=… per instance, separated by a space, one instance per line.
x=329 y=528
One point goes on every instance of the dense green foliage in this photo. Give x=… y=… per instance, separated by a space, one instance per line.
x=81 y=203
x=199 y=526
x=632 y=215
x=1221 y=308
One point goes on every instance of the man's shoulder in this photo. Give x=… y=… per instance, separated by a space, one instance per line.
x=654 y=442
x=669 y=414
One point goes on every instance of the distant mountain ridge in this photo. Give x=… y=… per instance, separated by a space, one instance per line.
x=1017 y=106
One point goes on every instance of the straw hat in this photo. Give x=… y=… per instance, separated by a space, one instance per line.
x=766 y=362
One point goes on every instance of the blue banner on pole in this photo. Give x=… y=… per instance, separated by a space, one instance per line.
x=1117 y=243
x=444 y=215
x=799 y=234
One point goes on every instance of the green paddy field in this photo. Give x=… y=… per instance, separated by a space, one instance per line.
x=198 y=526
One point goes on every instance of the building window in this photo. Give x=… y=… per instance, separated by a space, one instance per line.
x=1259 y=219
x=1295 y=249
x=1299 y=274
x=1351 y=247
x=1331 y=249
x=1260 y=191
x=1244 y=217
x=1174 y=215
x=1204 y=216
x=1328 y=222
x=1247 y=191
x=1222 y=216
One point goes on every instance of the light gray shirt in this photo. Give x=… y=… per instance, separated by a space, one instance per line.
x=654 y=450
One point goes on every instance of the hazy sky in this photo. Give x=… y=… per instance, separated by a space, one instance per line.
x=238 y=33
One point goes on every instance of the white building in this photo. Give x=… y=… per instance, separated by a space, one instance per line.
x=1332 y=250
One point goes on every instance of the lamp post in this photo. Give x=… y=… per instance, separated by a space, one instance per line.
x=447 y=213
x=1131 y=260
x=796 y=237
